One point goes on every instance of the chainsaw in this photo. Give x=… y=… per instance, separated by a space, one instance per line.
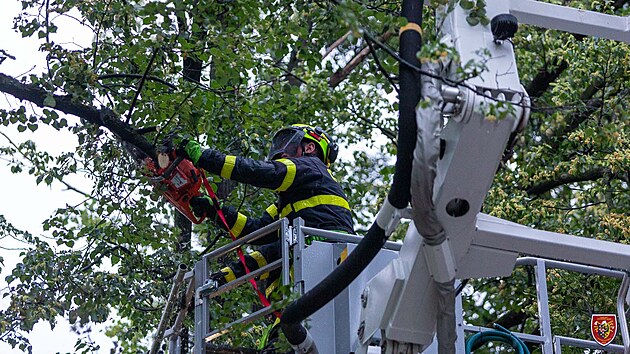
x=178 y=180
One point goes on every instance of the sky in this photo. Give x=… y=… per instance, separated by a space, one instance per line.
x=22 y=202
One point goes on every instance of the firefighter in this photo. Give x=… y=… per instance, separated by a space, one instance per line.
x=297 y=168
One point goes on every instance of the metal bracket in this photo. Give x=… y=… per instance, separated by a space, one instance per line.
x=394 y=347
x=440 y=261
x=298 y=287
x=290 y=236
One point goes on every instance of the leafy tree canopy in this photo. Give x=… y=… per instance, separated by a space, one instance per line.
x=229 y=73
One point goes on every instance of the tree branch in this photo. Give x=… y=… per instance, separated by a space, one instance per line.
x=391 y=134
x=581 y=115
x=565 y=178
x=540 y=83
x=336 y=44
x=342 y=74
x=137 y=76
x=545 y=77
x=509 y=319
x=104 y=117
x=140 y=85
x=380 y=66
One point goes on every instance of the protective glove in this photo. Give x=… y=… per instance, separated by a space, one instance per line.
x=201 y=206
x=189 y=149
x=219 y=277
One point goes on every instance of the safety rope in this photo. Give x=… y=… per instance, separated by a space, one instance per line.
x=239 y=250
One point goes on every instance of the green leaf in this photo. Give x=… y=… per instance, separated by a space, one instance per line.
x=466 y=4
x=262 y=69
x=473 y=21
x=589 y=132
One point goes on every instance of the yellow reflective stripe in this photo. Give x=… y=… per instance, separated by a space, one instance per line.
x=273 y=286
x=286 y=211
x=261 y=261
x=331 y=175
x=342 y=256
x=315 y=201
x=272 y=210
x=230 y=274
x=289 y=177
x=238 y=226
x=321 y=200
x=228 y=166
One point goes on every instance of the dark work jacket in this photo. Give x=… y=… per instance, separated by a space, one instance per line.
x=304 y=185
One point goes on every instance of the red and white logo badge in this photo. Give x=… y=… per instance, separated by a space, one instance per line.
x=604 y=328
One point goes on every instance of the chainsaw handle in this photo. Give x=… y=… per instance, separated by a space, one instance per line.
x=206 y=185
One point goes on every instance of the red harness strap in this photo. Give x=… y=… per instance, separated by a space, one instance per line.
x=239 y=251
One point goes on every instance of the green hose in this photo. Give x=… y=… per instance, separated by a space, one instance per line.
x=501 y=334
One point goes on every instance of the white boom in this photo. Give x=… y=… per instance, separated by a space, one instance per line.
x=405 y=303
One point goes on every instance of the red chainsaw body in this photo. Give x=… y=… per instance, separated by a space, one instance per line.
x=178 y=181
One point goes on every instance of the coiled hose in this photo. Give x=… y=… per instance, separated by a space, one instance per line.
x=501 y=335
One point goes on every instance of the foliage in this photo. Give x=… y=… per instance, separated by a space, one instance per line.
x=232 y=72
x=228 y=73
x=570 y=173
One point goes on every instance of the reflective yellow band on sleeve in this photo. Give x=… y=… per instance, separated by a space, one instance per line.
x=272 y=210
x=229 y=276
x=238 y=226
x=315 y=201
x=261 y=261
x=228 y=166
x=410 y=26
x=289 y=177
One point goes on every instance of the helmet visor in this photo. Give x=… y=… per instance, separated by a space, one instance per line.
x=285 y=141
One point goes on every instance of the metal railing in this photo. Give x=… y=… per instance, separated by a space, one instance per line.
x=207 y=288
x=293 y=239
x=203 y=290
x=553 y=344
x=168 y=307
x=301 y=232
x=173 y=333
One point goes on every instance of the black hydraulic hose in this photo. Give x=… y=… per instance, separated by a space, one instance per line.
x=295 y=333
x=410 y=92
x=399 y=195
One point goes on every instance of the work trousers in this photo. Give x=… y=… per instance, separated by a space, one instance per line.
x=264 y=255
